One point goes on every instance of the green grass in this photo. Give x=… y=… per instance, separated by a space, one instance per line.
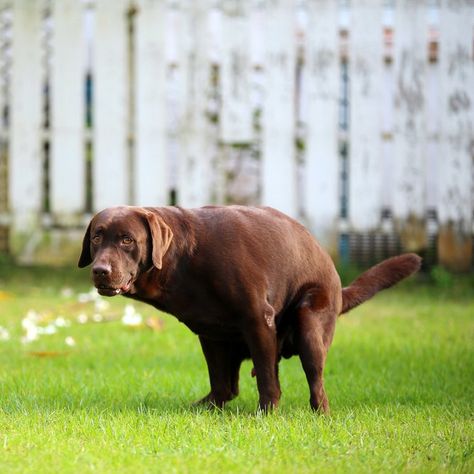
x=400 y=380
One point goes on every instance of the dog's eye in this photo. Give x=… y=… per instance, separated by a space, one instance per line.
x=96 y=239
x=127 y=240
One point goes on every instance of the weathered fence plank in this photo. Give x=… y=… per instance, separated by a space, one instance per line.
x=410 y=62
x=3 y=61
x=455 y=203
x=322 y=153
x=236 y=112
x=366 y=76
x=279 y=176
x=4 y=66
x=151 y=171
x=433 y=124
x=177 y=75
x=27 y=94
x=111 y=170
x=67 y=166
x=194 y=168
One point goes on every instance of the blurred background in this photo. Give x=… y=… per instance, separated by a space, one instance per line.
x=355 y=117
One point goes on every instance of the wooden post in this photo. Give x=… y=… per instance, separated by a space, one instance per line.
x=410 y=34
x=433 y=124
x=67 y=93
x=3 y=74
x=111 y=181
x=195 y=172
x=365 y=151
x=27 y=94
x=177 y=54
x=3 y=59
x=236 y=111
x=235 y=117
x=151 y=173
x=279 y=173
x=322 y=154
x=4 y=225
x=456 y=164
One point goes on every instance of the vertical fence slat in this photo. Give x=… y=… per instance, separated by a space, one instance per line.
x=3 y=78
x=432 y=133
x=67 y=93
x=236 y=112
x=111 y=183
x=3 y=60
x=322 y=155
x=365 y=72
x=176 y=87
x=26 y=101
x=387 y=120
x=151 y=173
x=410 y=40
x=457 y=125
x=4 y=67
x=279 y=176
x=194 y=168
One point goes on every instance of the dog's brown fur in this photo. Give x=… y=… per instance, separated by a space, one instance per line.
x=250 y=282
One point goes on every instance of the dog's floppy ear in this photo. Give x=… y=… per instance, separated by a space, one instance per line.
x=161 y=236
x=85 y=258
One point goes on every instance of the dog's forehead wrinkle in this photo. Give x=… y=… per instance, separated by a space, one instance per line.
x=119 y=221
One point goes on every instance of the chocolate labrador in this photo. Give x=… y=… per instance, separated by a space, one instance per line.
x=250 y=281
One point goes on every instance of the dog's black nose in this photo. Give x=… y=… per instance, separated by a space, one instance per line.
x=101 y=270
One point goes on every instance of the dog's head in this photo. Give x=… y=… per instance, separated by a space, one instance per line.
x=121 y=243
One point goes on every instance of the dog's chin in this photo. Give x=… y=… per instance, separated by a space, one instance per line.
x=105 y=290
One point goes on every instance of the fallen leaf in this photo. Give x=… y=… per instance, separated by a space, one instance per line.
x=44 y=354
x=155 y=323
x=5 y=296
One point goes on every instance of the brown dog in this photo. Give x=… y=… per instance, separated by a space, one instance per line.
x=251 y=282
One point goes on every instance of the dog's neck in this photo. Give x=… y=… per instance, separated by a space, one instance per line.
x=155 y=284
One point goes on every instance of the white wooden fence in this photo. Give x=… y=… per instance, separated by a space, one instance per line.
x=355 y=117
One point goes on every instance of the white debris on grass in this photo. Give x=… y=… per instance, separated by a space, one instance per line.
x=31 y=319
x=97 y=318
x=67 y=292
x=31 y=334
x=101 y=305
x=92 y=295
x=69 y=341
x=47 y=330
x=61 y=322
x=4 y=334
x=131 y=317
x=30 y=326
x=82 y=318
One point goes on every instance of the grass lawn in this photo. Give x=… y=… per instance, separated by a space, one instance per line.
x=400 y=380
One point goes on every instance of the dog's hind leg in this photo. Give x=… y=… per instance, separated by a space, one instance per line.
x=223 y=363
x=262 y=342
x=314 y=331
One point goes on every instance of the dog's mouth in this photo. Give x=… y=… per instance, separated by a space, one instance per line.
x=106 y=290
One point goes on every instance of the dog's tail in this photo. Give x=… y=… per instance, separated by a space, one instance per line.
x=381 y=276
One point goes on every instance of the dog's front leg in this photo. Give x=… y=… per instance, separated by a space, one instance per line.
x=223 y=363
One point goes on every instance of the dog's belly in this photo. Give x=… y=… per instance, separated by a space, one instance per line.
x=214 y=331
x=215 y=323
